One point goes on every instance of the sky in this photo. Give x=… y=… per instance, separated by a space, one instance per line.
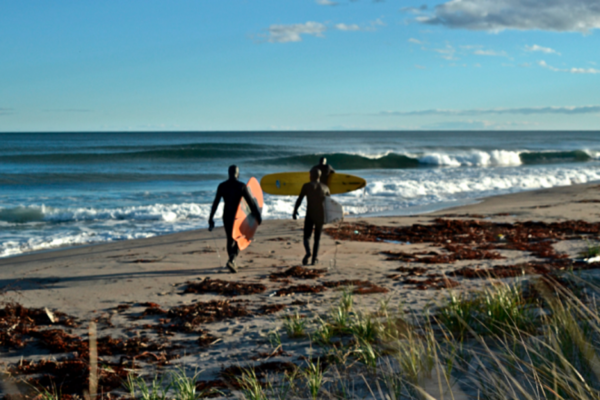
x=205 y=65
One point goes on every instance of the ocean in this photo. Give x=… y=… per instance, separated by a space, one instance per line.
x=69 y=189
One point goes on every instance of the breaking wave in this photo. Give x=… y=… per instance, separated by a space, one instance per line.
x=476 y=158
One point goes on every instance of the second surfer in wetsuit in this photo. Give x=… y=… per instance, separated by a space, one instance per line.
x=232 y=191
x=315 y=193
x=326 y=170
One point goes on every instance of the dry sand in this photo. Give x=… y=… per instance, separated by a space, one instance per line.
x=91 y=282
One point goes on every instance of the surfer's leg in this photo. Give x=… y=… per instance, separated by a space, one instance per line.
x=315 y=253
x=308 y=227
x=232 y=247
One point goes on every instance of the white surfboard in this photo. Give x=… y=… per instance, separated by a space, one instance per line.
x=333 y=211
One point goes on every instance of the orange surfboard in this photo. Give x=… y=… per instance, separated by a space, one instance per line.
x=245 y=225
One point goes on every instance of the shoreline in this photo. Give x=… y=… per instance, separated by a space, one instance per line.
x=430 y=209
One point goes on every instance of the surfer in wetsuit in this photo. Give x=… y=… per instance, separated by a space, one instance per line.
x=326 y=170
x=315 y=193
x=231 y=191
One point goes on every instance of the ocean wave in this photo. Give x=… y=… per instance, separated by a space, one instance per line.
x=40 y=227
x=209 y=151
x=473 y=158
x=148 y=213
x=78 y=177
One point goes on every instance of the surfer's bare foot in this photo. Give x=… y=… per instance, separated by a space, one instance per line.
x=305 y=259
x=315 y=261
x=231 y=266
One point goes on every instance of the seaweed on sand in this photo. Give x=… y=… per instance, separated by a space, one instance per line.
x=225 y=288
x=360 y=287
x=300 y=273
x=288 y=291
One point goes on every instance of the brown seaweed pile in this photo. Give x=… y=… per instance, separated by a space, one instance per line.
x=224 y=288
x=299 y=273
x=17 y=322
x=188 y=318
x=471 y=239
x=291 y=290
x=436 y=282
x=360 y=287
x=70 y=375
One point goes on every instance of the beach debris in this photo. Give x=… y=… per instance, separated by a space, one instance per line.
x=224 y=288
x=265 y=355
x=18 y=322
x=288 y=291
x=187 y=318
x=470 y=239
x=206 y=339
x=70 y=375
x=271 y=308
x=299 y=273
x=432 y=282
x=360 y=287
x=122 y=307
x=413 y=271
x=152 y=309
x=215 y=384
x=507 y=271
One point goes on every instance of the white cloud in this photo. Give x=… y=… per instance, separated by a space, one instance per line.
x=565 y=110
x=447 y=53
x=294 y=32
x=594 y=71
x=497 y=15
x=346 y=27
x=491 y=53
x=414 y=10
x=476 y=125
x=541 y=49
x=326 y=3
x=415 y=41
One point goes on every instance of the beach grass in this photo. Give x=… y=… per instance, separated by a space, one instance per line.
x=537 y=339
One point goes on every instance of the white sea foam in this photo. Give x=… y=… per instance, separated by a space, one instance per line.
x=473 y=158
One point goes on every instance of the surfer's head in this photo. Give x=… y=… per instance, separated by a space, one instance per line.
x=322 y=161
x=315 y=174
x=234 y=172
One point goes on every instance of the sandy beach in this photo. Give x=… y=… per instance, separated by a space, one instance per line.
x=171 y=301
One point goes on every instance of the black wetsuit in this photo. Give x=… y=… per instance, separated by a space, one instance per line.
x=326 y=170
x=232 y=191
x=315 y=193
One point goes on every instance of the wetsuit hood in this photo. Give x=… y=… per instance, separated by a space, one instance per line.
x=234 y=172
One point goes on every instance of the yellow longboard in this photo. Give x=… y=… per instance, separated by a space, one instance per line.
x=290 y=183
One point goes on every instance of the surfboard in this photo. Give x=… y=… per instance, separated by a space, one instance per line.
x=334 y=211
x=245 y=225
x=290 y=183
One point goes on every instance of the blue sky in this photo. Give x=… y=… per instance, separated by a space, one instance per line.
x=299 y=64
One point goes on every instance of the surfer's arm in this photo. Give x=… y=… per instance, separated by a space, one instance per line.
x=213 y=210
x=252 y=204
x=299 y=201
